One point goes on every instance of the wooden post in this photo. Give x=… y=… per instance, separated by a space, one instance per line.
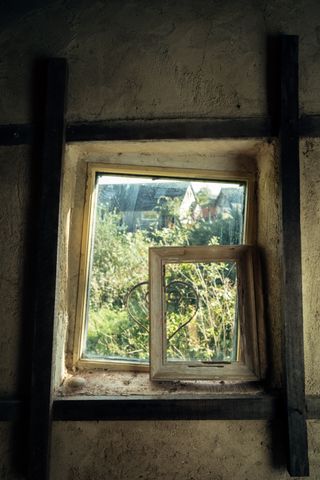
x=45 y=269
x=293 y=355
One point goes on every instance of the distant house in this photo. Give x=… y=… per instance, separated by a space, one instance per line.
x=208 y=210
x=229 y=199
x=144 y=204
x=189 y=205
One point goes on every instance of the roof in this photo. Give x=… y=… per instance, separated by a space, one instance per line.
x=139 y=197
x=230 y=196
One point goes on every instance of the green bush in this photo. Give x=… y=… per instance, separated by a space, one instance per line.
x=120 y=261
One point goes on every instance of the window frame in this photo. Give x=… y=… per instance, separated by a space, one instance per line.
x=247 y=366
x=92 y=168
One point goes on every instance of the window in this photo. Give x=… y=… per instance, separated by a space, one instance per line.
x=128 y=209
x=216 y=284
x=126 y=197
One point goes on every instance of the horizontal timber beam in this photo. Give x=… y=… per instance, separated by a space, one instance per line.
x=239 y=407
x=140 y=129
x=309 y=126
x=228 y=407
x=161 y=129
x=85 y=408
x=11 y=410
x=259 y=127
x=19 y=134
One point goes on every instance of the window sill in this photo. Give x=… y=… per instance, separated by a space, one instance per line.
x=93 y=383
x=107 y=395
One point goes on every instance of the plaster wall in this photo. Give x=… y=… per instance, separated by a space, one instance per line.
x=14 y=203
x=310 y=224
x=169 y=450
x=204 y=57
x=138 y=58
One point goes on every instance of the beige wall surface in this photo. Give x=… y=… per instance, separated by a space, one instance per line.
x=149 y=59
x=310 y=227
x=159 y=58
x=14 y=202
x=169 y=450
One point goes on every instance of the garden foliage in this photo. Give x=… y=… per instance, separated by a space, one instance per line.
x=202 y=297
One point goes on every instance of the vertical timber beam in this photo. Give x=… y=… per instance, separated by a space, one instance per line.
x=293 y=352
x=45 y=269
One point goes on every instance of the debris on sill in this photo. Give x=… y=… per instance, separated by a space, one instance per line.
x=112 y=383
x=75 y=383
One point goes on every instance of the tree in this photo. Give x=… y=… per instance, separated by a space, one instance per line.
x=119 y=263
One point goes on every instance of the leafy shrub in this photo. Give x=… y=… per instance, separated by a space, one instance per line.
x=119 y=262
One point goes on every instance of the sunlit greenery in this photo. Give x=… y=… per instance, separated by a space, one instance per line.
x=208 y=291
x=207 y=296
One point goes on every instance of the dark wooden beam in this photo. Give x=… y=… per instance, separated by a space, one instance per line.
x=293 y=353
x=309 y=126
x=20 y=134
x=219 y=408
x=161 y=129
x=157 y=129
x=313 y=406
x=228 y=407
x=11 y=409
x=45 y=269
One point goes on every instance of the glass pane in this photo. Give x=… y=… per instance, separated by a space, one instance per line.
x=201 y=313
x=131 y=215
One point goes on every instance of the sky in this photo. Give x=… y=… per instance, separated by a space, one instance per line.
x=213 y=187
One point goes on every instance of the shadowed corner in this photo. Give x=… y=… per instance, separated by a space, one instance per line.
x=277 y=432
x=269 y=381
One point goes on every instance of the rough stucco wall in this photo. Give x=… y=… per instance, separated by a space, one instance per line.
x=170 y=450
x=162 y=450
x=14 y=170
x=310 y=225
x=210 y=56
x=138 y=58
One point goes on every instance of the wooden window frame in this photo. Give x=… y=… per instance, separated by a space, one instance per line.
x=249 y=365
x=247 y=178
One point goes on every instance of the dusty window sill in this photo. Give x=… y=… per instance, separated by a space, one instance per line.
x=110 y=383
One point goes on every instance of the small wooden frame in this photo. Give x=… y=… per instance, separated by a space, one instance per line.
x=250 y=364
